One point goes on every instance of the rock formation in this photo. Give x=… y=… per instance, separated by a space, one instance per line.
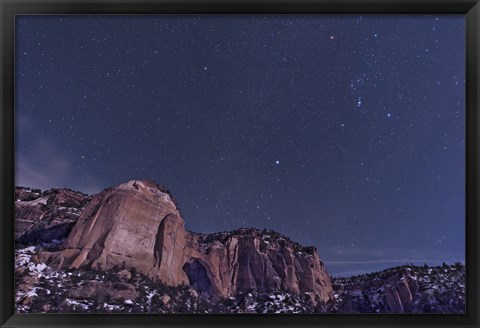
x=399 y=296
x=252 y=260
x=44 y=216
x=137 y=225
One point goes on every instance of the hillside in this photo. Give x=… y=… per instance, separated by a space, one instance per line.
x=403 y=289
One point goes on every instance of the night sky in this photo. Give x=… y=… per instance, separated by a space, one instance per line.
x=342 y=132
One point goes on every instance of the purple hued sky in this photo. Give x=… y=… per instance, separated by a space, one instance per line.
x=342 y=132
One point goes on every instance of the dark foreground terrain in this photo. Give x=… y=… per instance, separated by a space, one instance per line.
x=403 y=289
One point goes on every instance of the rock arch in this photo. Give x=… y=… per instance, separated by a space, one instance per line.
x=198 y=277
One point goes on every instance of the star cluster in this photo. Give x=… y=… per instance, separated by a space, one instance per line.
x=342 y=132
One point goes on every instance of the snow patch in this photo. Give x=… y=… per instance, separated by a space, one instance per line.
x=41 y=200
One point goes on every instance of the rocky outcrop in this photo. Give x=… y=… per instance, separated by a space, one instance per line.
x=137 y=225
x=259 y=261
x=400 y=296
x=103 y=291
x=403 y=289
x=45 y=216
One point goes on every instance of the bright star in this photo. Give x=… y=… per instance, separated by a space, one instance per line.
x=277 y=162
x=389 y=114
x=359 y=102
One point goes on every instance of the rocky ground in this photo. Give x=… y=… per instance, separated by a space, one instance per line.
x=40 y=289
x=405 y=289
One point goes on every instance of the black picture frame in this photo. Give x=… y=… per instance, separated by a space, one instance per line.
x=10 y=8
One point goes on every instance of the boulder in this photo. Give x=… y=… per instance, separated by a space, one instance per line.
x=165 y=299
x=124 y=275
x=103 y=291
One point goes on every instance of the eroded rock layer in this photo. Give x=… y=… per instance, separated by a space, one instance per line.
x=44 y=216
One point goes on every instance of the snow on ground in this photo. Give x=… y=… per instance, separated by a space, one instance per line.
x=40 y=200
x=77 y=304
x=111 y=307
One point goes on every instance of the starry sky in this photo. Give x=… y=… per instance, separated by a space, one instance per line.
x=343 y=132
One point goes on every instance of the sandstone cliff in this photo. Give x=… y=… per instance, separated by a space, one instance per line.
x=137 y=225
x=260 y=261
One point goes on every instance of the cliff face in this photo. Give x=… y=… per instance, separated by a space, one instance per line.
x=137 y=225
x=252 y=260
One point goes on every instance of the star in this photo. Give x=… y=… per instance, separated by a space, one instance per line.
x=277 y=162
x=359 y=102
